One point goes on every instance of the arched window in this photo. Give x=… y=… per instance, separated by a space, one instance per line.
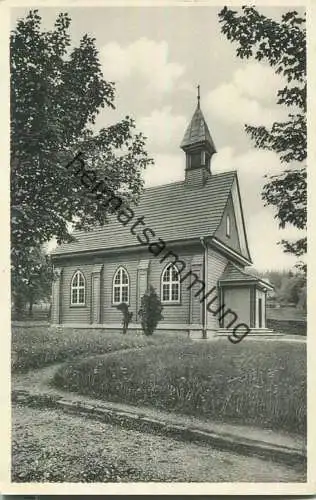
x=170 y=284
x=78 y=289
x=121 y=286
x=227 y=226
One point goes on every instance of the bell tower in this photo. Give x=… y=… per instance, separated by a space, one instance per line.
x=199 y=148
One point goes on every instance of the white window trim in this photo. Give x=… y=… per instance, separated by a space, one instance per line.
x=203 y=158
x=120 y=287
x=170 y=283
x=77 y=288
x=228 y=226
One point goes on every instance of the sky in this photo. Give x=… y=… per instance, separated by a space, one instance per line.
x=157 y=56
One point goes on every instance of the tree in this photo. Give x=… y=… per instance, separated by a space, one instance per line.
x=283 y=46
x=56 y=94
x=150 y=311
x=291 y=289
x=289 y=286
x=302 y=303
x=38 y=285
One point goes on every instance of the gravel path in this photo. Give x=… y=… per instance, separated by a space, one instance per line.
x=51 y=446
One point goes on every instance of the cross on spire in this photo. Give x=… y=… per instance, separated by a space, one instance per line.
x=198 y=96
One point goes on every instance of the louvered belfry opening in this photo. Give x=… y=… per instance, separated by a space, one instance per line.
x=199 y=148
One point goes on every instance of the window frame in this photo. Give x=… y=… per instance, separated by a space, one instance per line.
x=170 y=283
x=78 y=287
x=203 y=158
x=228 y=226
x=120 y=286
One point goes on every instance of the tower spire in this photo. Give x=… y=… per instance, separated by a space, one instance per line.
x=198 y=146
x=197 y=134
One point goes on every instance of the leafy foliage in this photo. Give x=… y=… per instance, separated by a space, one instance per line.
x=56 y=93
x=283 y=46
x=150 y=311
x=289 y=287
x=32 y=280
x=127 y=316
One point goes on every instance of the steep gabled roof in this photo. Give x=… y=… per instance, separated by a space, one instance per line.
x=173 y=211
x=197 y=132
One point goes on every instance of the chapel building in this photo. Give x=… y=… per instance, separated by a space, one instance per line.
x=187 y=239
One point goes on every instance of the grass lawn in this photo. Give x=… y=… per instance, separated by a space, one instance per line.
x=258 y=383
x=35 y=347
x=286 y=313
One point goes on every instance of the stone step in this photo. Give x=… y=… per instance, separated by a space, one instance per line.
x=266 y=332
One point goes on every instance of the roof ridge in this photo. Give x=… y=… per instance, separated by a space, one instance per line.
x=218 y=174
x=163 y=185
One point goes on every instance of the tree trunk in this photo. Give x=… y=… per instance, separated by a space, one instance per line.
x=18 y=306
x=31 y=307
x=49 y=314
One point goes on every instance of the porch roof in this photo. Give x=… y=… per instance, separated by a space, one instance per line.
x=234 y=274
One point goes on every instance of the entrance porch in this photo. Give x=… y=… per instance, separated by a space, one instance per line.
x=245 y=296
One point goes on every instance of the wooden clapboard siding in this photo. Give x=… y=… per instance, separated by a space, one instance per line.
x=196 y=177
x=215 y=266
x=237 y=298
x=75 y=314
x=233 y=240
x=173 y=314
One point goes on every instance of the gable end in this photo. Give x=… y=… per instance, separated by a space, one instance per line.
x=237 y=239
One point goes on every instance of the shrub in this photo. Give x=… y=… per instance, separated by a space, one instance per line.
x=150 y=311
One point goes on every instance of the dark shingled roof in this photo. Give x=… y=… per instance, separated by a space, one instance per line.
x=234 y=273
x=173 y=211
x=197 y=132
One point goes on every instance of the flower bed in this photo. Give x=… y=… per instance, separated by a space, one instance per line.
x=259 y=383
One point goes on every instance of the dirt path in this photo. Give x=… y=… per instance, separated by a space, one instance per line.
x=51 y=446
x=37 y=380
